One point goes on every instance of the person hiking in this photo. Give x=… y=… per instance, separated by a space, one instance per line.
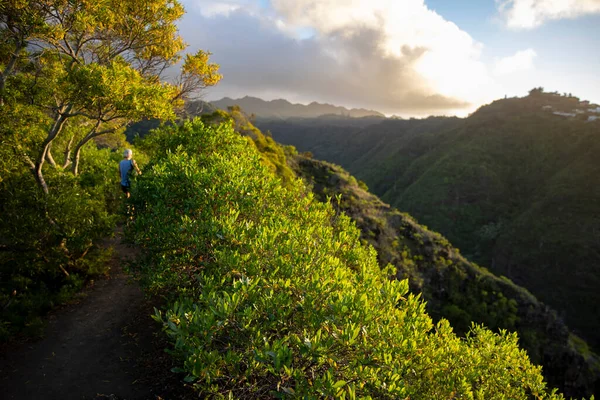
x=125 y=167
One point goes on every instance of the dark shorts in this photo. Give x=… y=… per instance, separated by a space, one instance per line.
x=125 y=189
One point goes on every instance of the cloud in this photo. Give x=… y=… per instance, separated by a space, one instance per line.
x=520 y=61
x=529 y=14
x=390 y=55
x=212 y=8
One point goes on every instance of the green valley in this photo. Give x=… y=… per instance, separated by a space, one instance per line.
x=513 y=186
x=273 y=293
x=453 y=287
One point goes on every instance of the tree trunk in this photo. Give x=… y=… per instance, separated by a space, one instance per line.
x=49 y=157
x=75 y=166
x=68 y=153
x=59 y=122
x=39 y=176
x=39 y=166
x=83 y=142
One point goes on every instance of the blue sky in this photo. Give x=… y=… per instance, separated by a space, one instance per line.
x=405 y=57
x=568 y=56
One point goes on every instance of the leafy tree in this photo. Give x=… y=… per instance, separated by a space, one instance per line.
x=71 y=72
x=536 y=91
x=96 y=63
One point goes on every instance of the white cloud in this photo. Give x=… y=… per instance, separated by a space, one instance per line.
x=435 y=51
x=386 y=54
x=520 y=61
x=213 y=8
x=528 y=14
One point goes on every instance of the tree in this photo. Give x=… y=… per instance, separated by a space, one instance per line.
x=95 y=63
x=536 y=91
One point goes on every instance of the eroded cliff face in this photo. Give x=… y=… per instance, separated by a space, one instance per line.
x=453 y=287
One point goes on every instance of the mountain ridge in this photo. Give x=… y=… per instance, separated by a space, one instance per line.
x=422 y=251
x=282 y=109
x=509 y=185
x=452 y=286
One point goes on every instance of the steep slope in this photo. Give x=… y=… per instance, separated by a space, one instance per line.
x=453 y=287
x=273 y=294
x=512 y=186
x=516 y=193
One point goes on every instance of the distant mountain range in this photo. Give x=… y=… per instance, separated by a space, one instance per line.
x=283 y=109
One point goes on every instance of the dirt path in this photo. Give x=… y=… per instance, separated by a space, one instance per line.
x=103 y=347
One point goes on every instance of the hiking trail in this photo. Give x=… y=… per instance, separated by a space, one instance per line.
x=103 y=347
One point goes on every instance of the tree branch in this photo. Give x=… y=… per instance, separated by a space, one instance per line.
x=52 y=134
x=94 y=132
x=10 y=67
x=49 y=157
x=68 y=153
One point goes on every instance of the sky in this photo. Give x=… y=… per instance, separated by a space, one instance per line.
x=410 y=58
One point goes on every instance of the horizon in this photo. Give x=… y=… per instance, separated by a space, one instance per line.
x=307 y=103
x=411 y=58
x=387 y=116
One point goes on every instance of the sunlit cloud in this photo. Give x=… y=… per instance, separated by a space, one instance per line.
x=384 y=54
x=520 y=61
x=529 y=14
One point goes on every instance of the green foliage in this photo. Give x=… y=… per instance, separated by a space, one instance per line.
x=511 y=186
x=72 y=72
x=48 y=243
x=453 y=287
x=273 y=155
x=274 y=295
x=120 y=87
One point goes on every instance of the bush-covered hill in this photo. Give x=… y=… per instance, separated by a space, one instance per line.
x=274 y=295
x=542 y=334
x=453 y=287
x=513 y=186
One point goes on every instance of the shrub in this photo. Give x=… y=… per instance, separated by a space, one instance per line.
x=273 y=294
x=48 y=243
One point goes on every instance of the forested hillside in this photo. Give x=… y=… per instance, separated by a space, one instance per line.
x=265 y=291
x=453 y=287
x=273 y=293
x=511 y=186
